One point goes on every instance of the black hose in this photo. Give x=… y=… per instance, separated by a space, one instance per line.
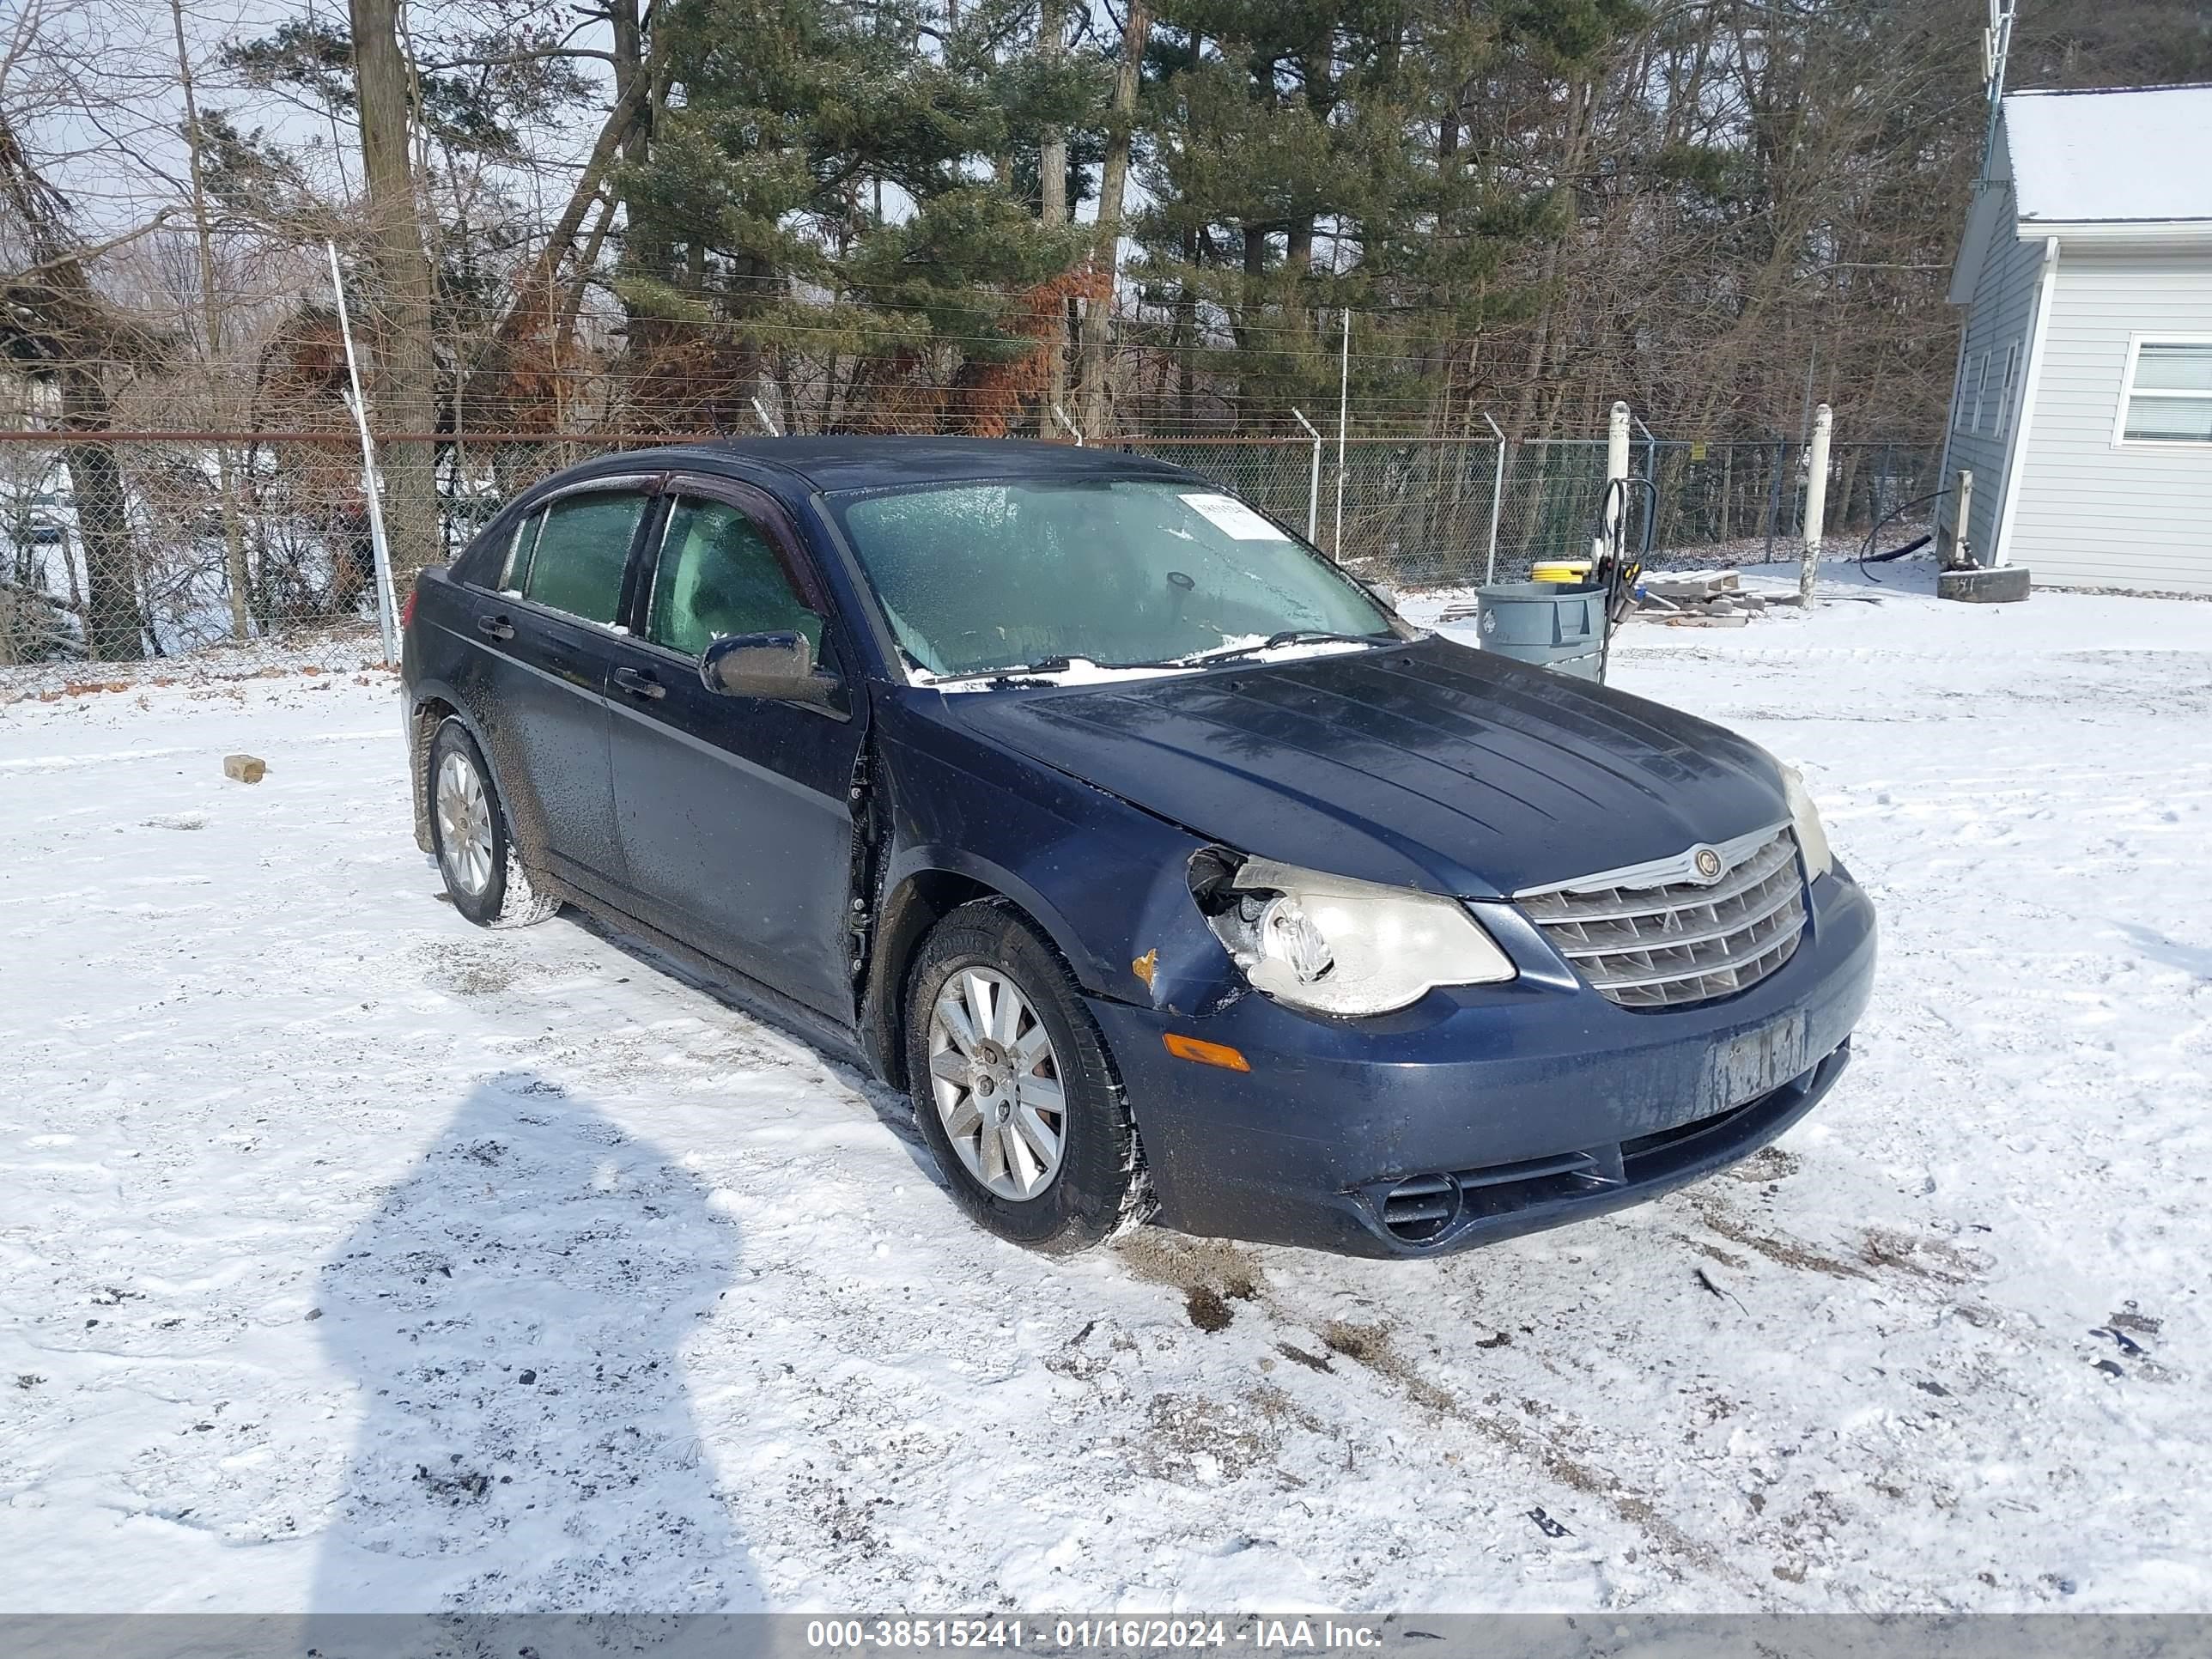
x=1866 y=548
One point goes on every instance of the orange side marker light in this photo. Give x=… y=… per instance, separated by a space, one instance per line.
x=1206 y=1054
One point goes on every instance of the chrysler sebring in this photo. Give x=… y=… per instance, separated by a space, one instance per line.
x=1168 y=870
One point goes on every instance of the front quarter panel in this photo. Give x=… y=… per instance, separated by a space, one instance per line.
x=1107 y=882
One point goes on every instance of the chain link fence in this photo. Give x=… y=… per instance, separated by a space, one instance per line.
x=1745 y=501
x=1415 y=512
x=133 y=555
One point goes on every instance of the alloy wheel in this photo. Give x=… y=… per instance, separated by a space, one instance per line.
x=996 y=1079
x=464 y=824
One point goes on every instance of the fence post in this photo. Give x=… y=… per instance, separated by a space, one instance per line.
x=1343 y=419
x=1651 y=477
x=1497 y=500
x=1313 y=479
x=1773 y=497
x=1616 y=466
x=388 y=625
x=1816 y=504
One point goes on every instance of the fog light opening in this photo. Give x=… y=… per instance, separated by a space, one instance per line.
x=1421 y=1208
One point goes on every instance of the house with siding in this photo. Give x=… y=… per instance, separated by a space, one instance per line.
x=2082 y=407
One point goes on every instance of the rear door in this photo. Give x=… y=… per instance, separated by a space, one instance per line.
x=550 y=630
x=733 y=812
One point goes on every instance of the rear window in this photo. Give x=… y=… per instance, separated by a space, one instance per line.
x=581 y=548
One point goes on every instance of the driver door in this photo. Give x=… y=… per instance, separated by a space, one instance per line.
x=732 y=811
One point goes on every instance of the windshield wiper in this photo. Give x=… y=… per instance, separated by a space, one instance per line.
x=1009 y=672
x=1289 y=636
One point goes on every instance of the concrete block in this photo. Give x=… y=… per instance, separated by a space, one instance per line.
x=2004 y=584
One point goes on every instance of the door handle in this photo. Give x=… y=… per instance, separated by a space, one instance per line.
x=495 y=628
x=639 y=684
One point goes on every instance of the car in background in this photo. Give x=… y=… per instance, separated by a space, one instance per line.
x=1166 y=869
x=37 y=518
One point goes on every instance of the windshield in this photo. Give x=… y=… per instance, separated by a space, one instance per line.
x=975 y=577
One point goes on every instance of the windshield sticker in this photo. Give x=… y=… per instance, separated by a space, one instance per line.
x=1233 y=518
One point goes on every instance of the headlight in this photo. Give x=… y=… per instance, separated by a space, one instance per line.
x=1805 y=818
x=1338 y=946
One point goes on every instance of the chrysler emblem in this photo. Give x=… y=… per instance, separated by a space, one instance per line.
x=1709 y=864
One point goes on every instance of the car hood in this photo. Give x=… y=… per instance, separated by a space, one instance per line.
x=1428 y=765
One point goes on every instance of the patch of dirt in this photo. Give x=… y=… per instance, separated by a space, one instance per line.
x=1312 y=1362
x=847 y=1524
x=1546 y=1451
x=1370 y=1346
x=471 y=971
x=1767 y=1163
x=1224 y=1272
x=1206 y=1309
x=1789 y=1252
x=1937 y=1259
x=1191 y=1435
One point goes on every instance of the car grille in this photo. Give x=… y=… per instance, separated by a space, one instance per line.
x=1647 y=937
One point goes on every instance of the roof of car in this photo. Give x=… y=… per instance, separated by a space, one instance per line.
x=863 y=463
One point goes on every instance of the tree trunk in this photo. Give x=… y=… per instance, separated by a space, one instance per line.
x=1113 y=186
x=114 y=627
x=404 y=372
x=1052 y=205
x=646 y=250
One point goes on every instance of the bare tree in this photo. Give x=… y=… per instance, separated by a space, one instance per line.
x=404 y=396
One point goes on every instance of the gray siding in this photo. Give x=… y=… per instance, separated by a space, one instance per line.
x=2091 y=512
x=1999 y=325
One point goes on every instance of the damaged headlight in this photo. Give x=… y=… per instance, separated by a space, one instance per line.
x=1338 y=946
x=1805 y=819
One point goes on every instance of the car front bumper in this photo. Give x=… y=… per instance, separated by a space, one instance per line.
x=1513 y=1108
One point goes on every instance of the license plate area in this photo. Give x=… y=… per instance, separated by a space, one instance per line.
x=1756 y=1062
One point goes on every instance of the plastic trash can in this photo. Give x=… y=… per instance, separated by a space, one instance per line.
x=1551 y=625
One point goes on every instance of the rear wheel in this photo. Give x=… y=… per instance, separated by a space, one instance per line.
x=485 y=880
x=1011 y=1085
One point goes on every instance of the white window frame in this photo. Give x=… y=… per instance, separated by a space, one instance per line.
x=2135 y=344
x=1981 y=391
x=2004 y=392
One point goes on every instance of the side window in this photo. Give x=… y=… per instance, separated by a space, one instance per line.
x=717 y=574
x=516 y=559
x=581 y=545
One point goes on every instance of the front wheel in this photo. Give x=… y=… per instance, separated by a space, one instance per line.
x=468 y=830
x=1011 y=1085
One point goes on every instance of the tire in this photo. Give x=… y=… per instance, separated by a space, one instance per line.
x=1096 y=1186
x=483 y=878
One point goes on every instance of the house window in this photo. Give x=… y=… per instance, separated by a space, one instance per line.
x=1981 y=385
x=2169 y=393
x=2004 y=397
x=1959 y=395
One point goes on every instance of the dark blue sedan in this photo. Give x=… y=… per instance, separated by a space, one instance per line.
x=1168 y=870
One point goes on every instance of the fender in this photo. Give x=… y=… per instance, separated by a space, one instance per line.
x=1106 y=881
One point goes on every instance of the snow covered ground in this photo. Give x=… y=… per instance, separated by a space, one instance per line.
x=352 y=1258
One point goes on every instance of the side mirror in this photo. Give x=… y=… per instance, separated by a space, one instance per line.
x=778 y=666
x=1386 y=596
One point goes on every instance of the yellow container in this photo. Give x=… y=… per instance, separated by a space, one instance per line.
x=1561 y=570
